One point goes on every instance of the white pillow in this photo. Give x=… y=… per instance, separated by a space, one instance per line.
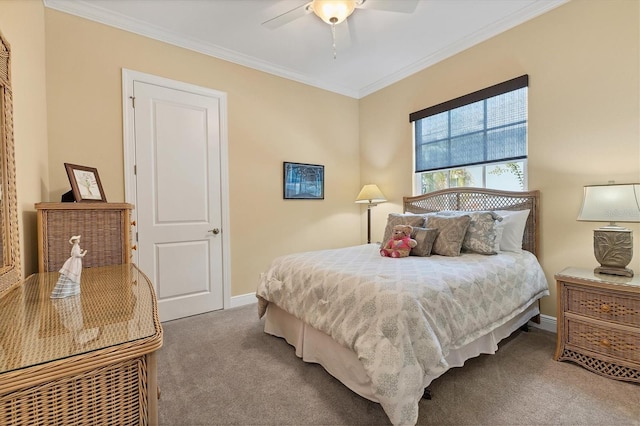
x=514 y=222
x=499 y=231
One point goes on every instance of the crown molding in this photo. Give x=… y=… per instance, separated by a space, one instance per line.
x=507 y=23
x=95 y=13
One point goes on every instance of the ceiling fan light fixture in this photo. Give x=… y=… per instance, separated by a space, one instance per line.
x=333 y=12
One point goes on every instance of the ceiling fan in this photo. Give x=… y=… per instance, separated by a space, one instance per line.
x=334 y=12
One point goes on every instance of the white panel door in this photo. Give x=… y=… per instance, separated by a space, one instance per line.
x=177 y=151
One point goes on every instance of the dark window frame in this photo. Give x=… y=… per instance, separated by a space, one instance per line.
x=489 y=92
x=448 y=106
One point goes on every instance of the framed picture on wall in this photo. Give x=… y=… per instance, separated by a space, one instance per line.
x=85 y=183
x=303 y=181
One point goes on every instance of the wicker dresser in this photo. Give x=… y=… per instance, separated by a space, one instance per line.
x=105 y=230
x=84 y=360
x=599 y=322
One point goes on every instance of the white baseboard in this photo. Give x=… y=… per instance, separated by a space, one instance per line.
x=547 y=323
x=243 y=299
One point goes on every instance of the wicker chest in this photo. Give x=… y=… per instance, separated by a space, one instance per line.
x=105 y=230
x=599 y=323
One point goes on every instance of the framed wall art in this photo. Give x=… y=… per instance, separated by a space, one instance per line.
x=85 y=183
x=303 y=181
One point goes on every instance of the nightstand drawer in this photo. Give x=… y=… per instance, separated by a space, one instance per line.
x=611 y=341
x=603 y=305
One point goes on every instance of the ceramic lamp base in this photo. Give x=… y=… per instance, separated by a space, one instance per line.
x=623 y=272
x=613 y=248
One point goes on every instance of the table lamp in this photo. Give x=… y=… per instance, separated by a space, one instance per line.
x=371 y=195
x=612 y=244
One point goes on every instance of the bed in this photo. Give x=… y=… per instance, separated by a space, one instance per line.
x=388 y=327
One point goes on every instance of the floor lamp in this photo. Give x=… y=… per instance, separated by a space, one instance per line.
x=371 y=195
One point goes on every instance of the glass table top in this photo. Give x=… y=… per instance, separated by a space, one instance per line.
x=116 y=305
x=589 y=275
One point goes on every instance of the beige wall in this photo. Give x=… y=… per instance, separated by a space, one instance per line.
x=22 y=24
x=271 y=120
x=584 y=117
x=582 y=59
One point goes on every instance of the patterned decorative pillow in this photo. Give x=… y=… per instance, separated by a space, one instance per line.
x=401 y=219
x=452 y=230
x=481 y=234
x=425 y=238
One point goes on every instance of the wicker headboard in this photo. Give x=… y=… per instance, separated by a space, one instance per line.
x=474 y=199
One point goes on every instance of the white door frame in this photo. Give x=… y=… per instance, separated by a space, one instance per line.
x=128 y=77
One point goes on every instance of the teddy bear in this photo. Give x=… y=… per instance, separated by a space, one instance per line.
x=400 y=243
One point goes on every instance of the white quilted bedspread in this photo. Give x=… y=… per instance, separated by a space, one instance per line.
x=402 y=316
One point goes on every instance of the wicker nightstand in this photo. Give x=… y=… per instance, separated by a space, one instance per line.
x=599 y=323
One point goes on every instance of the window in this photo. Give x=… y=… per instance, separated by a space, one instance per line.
x=476 y=140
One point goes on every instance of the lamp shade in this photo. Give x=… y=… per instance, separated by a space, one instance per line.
x=370 y=194
x=611 y=203
x=333 y=12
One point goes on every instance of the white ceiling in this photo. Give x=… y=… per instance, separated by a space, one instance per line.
x=375 y=48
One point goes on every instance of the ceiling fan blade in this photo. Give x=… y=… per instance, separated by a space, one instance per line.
x=343 y=35
x=289 y=16
x=403 y=6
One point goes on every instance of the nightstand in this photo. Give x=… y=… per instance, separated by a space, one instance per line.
x=599 y=323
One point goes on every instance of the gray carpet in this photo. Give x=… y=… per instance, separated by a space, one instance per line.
x=221 y=368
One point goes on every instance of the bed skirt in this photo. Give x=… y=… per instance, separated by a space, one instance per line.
x=317 y=347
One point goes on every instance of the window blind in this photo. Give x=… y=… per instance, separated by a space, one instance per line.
x=486 y=126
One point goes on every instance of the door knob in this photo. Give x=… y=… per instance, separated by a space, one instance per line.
x=214 y=231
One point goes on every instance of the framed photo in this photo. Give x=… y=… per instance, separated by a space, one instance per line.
x=85 y=183
x=303 y=181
